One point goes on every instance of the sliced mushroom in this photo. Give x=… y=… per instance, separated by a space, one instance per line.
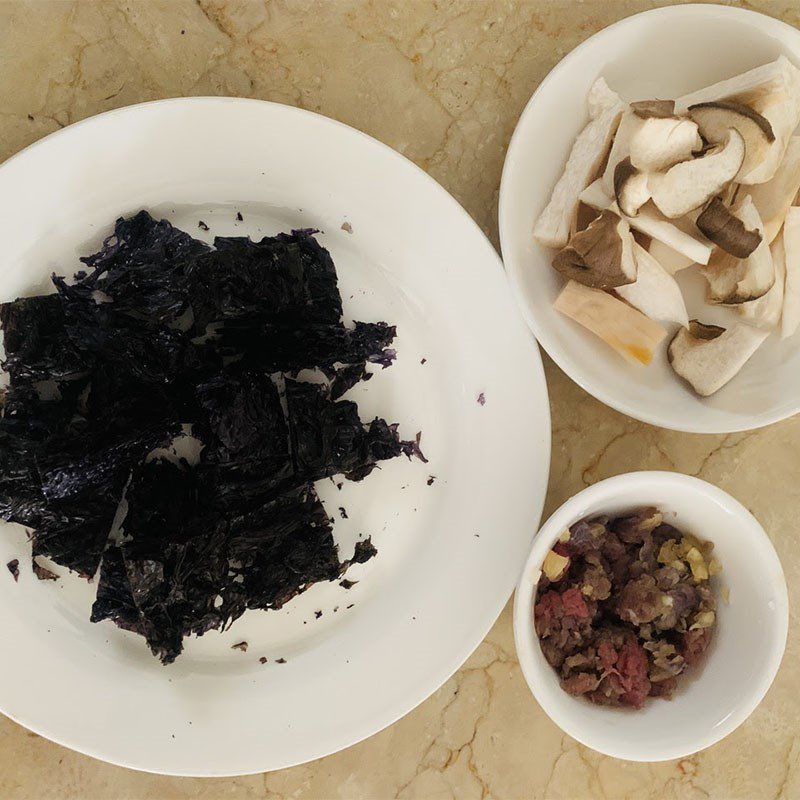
x=784 y=118
x=671 y=260
x=752 y=87
x=595 y=195
x=791 y=295
x=659 y=142
x=715 y=119
x=731 y=280
x=620 y=148
x=633 y=335
x=630 y=188
x=773 y=198
x=765 y=312
x=691 y=184
x=655 y=292
x=555 y=223
x=601 y=256
x=726 y=230
x=708 y=357
x=655 y=225
x=660 y=109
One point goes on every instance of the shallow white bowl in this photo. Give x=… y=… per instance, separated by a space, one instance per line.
x=661 y=53
x=745 y=652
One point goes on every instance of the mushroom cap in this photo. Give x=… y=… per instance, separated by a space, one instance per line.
x=707 y=356
x=715 y=119
x=732 y=280
x=691 y=184
x=726 y=230
x=601 y=255
x=630 y=188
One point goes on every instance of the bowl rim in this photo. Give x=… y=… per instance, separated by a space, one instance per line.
x=580 y=505
x=763 y=23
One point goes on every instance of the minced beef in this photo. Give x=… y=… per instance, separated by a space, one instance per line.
x=624 y=607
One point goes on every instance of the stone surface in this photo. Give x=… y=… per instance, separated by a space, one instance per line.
x=443 y=82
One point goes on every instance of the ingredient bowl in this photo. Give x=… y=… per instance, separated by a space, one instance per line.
x=658 y=54
x=743 y=658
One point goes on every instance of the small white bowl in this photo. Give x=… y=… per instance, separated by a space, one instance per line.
x=748 y=642
x=662 y=53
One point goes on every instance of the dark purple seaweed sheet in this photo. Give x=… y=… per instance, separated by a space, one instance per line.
x=161 y=330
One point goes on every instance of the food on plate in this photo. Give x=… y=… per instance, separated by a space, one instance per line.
x=555 y=224
x=708 y=356
x=164 y=342
x=791 y=298
x=734 y=280
x=633 y=335
x=721 y=226
x=658 y=143
x=654 y=292
x=601 y=255
x=624 y=607
x=774 y=198
x=688 y=185
x=708 y=181
x=631 y=188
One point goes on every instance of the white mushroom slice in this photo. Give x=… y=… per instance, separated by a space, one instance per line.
x=719 y=224
x=671 y=260
x=602 y=98
x=595 y=195
x=660 y=142
x=791 y=295
x=707 y=357
x=653 y=224
x=773 y=198
x=600 y=256
x=731 y=280
x=630 y=188
x=753 y=87
x=655 y=292
x=621 y=147
x=649 y=221
x=628 y=331
x=715 y=119
x=691 y=184
x=765 y=312
x=784 y=118
x=588 y=152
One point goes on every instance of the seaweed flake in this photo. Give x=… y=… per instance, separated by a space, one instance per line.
x=13 y=568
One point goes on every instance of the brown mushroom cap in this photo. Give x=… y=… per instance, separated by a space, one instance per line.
x=725 y=229
x=630 y=188
x=715 y=120
x=601 y=255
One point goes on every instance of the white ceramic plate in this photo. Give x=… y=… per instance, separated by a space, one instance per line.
x=449 y=553
x=662 y=53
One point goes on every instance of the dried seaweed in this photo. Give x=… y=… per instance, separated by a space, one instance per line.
x=159 y=332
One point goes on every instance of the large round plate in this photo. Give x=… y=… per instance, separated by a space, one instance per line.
x=449 y=552
x=661 y=53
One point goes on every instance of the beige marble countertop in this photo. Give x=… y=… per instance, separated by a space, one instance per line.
x=443 y=82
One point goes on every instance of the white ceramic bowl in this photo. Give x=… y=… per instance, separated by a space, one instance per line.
x=745 y=652
x=661 y=53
